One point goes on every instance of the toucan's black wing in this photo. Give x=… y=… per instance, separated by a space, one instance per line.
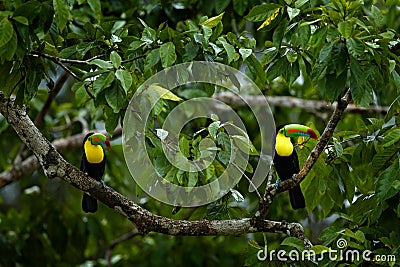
x=286 y=167
x=296 y=164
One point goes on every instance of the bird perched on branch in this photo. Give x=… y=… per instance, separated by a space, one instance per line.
x=93 y=164
x=286 y=161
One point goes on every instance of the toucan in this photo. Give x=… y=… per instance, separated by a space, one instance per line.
x=93 y=163
x=286 y=161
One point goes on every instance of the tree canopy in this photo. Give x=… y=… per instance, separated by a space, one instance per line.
x=70 y=66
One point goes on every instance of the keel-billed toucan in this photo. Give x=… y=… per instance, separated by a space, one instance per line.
x=286 y=161
x=93 y=164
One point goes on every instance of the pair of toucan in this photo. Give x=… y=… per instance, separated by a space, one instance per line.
x=285 y=160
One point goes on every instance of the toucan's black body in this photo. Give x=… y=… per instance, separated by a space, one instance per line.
x=286 y=167
x=94 y=170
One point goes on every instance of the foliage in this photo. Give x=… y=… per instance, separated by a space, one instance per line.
x=308 y=49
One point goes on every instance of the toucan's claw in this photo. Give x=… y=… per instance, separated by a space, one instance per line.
x=102 y=183
x=293 y=176
x=277 y=183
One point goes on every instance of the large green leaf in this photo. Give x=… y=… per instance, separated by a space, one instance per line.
x=6 y=30
x=388 y=182
x=212 y=22
x=124 y=78
x=230 y=50
x=167 y=54
x=116 y=97
x=262 y=12
x=61 y=13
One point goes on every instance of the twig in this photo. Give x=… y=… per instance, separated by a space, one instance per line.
x=65 y=60
x=117 y=241
x=133 y=59
x=293 y=102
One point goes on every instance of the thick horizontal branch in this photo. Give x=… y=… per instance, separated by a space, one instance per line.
x=55 y=166
x=293 y=102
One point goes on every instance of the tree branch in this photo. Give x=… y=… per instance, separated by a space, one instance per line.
x=293 y=102
x=119 y=240
x=55 y=166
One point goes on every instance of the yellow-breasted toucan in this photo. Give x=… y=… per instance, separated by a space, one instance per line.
x=286 y=161
x=93 y=164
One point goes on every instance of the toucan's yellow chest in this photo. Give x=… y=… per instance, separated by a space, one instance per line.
x=283 y=146
x=94 y=153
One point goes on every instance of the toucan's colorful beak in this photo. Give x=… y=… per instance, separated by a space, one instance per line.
x=101 y=140
x=297 y=130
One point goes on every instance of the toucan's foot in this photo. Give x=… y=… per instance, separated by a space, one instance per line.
x=294 y=175
x=277 y=183
x=102 y=183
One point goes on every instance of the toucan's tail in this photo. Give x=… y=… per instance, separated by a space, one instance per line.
x=297 y=198
x=89 y=204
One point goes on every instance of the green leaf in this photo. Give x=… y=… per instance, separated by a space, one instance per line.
x=245 y=52
x=7 y=31
x=346 y=28
x=300 y=3
x=95 y=6
x=184 y=146
x=21 y=20
x=269 y=55
x=111 y=121
x=277 y=68
x=164 y=93
x=192 y=179
x=244 y=144
x=262 y=12
x=221 y=5
x=191 y=50
x=396 y=79
x=125 y=78
x=152 y=58
x=212 y=22
x=101 y=63
x=7 y=51
x=213 y=128
x=386 y=184
x=230 y=50
x=292 y=12
x=378 y=16
x=115 y=59
x=294 y=243
x=355 y=47
x=304 y=34
x=237 y=196
x=167 y=54
x=61 y=13
x=392 y=137
x=116 y=97
x=270 y=19
x=102 y=82
x=240 y=6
